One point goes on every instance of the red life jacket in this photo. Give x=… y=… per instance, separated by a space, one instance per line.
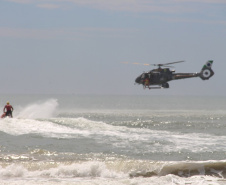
x=8 y=107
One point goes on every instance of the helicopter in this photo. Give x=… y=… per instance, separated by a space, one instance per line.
x=159 y=78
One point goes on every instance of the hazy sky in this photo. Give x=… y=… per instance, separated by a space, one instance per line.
x=78 y=46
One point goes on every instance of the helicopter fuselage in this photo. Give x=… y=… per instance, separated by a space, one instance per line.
x=161 y=76
x=158 y=76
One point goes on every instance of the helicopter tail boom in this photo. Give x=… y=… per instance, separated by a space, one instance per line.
x=206 y=71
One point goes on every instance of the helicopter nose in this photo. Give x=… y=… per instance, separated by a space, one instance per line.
x=138 y=80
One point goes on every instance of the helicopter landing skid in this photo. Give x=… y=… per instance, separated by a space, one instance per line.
x=158 y=87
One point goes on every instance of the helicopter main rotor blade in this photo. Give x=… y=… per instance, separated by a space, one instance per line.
x=169 y=66
x=136 y=63
x=166 y=64
x=141 y=64
x=171 y=63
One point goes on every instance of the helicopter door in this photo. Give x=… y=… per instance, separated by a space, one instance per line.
x=155 y=77
x=146 y=79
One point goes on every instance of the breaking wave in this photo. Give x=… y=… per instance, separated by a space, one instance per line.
x=132 y=170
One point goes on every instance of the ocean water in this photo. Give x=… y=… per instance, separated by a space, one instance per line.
x=114 y=140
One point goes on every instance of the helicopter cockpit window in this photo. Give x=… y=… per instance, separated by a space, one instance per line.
x=144 y=75
x=149 y=75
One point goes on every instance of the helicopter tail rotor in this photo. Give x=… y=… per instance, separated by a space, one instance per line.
x=206 y=71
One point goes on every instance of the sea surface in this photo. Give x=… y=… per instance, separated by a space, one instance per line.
x=113 y=140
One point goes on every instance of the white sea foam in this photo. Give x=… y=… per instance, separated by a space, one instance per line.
x=121 y=148
x=40 y=127
x=119 y=136
x=165 y=141
x=39 y=110
x=33 y=120
x=38 y=119
x=94 y=172
x=76 y=170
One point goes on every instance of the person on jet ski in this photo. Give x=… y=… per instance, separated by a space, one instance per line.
x=8 y=110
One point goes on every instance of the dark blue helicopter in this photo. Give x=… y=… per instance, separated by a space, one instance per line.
x=159 y=78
